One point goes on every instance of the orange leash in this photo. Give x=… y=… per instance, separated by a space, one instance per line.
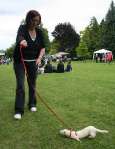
x=41 y=99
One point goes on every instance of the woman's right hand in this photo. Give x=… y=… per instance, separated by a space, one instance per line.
x=24 y=43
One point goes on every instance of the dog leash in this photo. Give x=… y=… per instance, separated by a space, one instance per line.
x=41 y=99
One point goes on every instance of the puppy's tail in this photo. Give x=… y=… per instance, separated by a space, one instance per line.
x=102 y=131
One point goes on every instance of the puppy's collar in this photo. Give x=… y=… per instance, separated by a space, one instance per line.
x=71 y=132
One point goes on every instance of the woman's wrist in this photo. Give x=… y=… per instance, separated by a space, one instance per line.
x=40 y=57
x=23 y=43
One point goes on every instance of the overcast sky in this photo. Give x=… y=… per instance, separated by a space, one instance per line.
x=77 y=12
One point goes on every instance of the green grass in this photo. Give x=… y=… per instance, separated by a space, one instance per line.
x=86 y=96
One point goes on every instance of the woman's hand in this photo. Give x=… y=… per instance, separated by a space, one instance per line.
x=42 y=52
x=24 y=43
x=38 y=61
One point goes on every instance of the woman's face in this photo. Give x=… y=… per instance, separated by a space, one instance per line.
x=35 y=22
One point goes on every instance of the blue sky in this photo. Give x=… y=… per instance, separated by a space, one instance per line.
x=77 y=12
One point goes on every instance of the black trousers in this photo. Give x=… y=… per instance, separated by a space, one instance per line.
x=20 y=87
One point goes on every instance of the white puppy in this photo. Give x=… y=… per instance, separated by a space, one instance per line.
x=89 y=131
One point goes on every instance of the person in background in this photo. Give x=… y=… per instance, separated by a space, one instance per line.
x=68 y=67
x=48 y=67
x=109 y=57
x=96 y=57
x=30 y=40
x=60 y=66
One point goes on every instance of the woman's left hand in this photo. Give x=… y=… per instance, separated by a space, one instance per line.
x=38 y=61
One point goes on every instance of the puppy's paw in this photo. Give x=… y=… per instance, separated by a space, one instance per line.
x=78 y=139
x=91 y=137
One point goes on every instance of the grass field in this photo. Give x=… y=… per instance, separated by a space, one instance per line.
x=86 y=96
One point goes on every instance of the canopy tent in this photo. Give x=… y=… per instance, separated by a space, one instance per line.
x=101 y=51
x=60 y=54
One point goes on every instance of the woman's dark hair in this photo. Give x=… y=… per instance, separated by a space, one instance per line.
x=30 y=15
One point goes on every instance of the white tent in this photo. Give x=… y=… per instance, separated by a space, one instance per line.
x=60 y=54
x=101 y=51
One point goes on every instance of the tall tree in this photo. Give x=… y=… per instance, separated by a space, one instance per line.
x=54 y=46
x=66 y=36
x=82 y=49
x=46 y=40
x=102 y=35
x=109 y=29
x=9 y=51
x=90 y=36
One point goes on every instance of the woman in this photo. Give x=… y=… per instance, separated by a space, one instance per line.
x=28 y=51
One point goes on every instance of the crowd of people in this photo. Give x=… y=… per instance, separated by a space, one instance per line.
x=104 y=57
x=59 y=68
x=4 y=60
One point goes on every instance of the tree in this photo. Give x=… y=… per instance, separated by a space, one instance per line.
x=46 y=40
x=97 y=36
x=82 y=50
x=102 y=34
x=9 y=51
x=90 y=36
x=54 y=46
x=66 y=36
x=108 y=34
